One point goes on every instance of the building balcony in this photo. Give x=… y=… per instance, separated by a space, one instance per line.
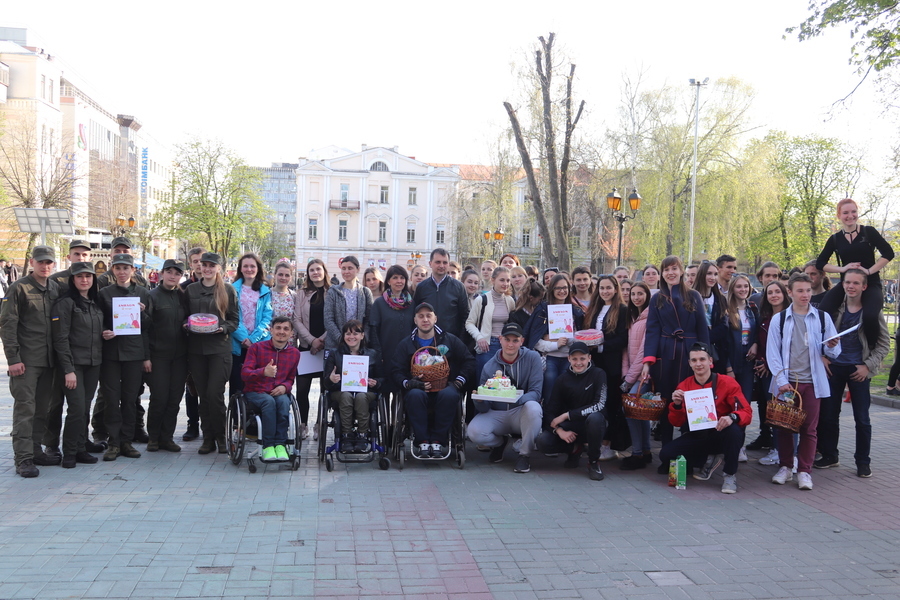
x=343 y=204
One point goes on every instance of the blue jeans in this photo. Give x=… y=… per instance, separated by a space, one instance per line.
x=556 y=366
x=275 y=415
x=483 y=358
x=830 y=414
x=640 y=430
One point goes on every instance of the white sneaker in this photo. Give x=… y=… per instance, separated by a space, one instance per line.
x=607 y=453
x=729 y=485
x=794 y=470
x=517 y=445
x=742 y=455
x=316 y=431
x=770 y=459
x=304 y=432
x=804 y=481
x=783 y=476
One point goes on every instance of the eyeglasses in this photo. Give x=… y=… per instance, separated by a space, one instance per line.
x=561 y=289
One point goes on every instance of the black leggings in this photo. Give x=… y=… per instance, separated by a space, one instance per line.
x=872 y=303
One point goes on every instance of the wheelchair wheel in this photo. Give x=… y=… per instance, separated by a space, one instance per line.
x=294 y=426
x=382 y=424
x=399 y=437
x=461 y=459
x=329 y=463
x=401 y=458
x=384 y=463
x=236 y=428
x=323 y=426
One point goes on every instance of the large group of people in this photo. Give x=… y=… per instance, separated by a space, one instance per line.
x=670 y=328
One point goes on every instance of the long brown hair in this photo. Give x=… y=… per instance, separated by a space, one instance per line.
x=635 y=311
x=530 y=290
x=220 y=294
x=597 y=303
x=731 y=307
x=257 y=282
x=311 y=287
x=766 y=309
x=551 y=297
x=664 y=289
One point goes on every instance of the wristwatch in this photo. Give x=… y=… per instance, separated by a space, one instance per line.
x=734 y=417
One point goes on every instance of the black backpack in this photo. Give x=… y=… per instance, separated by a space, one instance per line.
x=781 y=325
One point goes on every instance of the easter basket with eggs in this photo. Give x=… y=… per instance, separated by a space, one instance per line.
x=786 y=410
x=431 y=367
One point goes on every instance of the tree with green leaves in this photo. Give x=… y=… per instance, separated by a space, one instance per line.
x=217 y=195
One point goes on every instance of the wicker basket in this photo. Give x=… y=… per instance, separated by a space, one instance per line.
x=643 y=409
x=786 y=416
x=436 y=375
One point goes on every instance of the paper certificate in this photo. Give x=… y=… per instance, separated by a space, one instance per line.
x=126 y=315
x=560 y=322
x=310 y=363
x=700 y=406
x=355 y=373
x=841 y=334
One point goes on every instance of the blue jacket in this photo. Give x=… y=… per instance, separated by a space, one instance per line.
x=263 y=319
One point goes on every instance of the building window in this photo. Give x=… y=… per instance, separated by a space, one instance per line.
x=526 y=238
x=575 y=238
x=412 y=196
x=439 y=235
x=379 y=166
x=43 y=87
x=410 y=233
x=313 y=229
x=342 y=230
x=50 y=90
x=382 y=231
x=384 y=194
x=345 y=192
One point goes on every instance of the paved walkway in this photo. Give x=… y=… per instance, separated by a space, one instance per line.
x=186 y=526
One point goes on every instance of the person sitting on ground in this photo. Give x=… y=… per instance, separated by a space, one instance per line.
x=576 y=412
x=268 y=373
x=724 y=442
x=495 y=421
x=353 y=406
x=431 y=432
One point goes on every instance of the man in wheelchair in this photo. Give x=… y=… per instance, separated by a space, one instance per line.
x=432 y=435
x=268 y=373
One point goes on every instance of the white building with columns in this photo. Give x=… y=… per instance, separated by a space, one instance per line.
x=376 y=204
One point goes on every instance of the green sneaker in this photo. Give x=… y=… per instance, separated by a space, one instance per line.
x=269 y=454
x=281 y=454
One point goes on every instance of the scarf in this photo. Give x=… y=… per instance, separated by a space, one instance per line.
x=404 y=300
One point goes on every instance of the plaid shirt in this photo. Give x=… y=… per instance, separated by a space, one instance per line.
x=258 y=356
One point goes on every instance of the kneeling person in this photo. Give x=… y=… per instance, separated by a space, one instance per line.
x=725 y=441
x=579 y=403
x=497 y=420
x=268 y=373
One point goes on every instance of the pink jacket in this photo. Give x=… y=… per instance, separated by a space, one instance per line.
x=632 y=361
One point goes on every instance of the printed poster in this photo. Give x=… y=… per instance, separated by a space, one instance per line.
x=560 y=322
x=126 y=315
x=382 y=264
x=700 y=406
x=354 y=373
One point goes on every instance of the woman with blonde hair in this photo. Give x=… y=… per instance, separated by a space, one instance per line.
x=517 y=279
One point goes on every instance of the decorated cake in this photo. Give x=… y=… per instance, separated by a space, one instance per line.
x=203 y=323
x=498 y=386
x=591 y=337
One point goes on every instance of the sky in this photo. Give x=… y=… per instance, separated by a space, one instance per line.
x=275 y=80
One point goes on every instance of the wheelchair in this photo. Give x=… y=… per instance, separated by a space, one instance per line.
x=243 y=424
x=329 y=417
x=402 y=431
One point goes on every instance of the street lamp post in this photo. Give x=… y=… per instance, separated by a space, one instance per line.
x=495 y=238
x=696 y=83
x=415 y=256
x=614 y=202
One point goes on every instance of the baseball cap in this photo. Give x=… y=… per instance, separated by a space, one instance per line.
x=512 y=329
x=579 y=347
x=173 y=263
x=120 y=241
x=40 y=253
x=122 y=259
x=79 y=244
x=423 y=306
x=82 y=267
x=211 y=257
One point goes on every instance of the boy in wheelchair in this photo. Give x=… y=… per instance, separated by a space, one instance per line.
x=268 y=373
x=353 y=405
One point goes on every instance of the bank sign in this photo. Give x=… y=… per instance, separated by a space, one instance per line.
x=145 y=163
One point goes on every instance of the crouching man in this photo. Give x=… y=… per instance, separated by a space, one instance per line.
x=497 y=420
x=724 y=442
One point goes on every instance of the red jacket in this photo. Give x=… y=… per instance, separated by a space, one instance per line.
x=729 y=399
x=258 y=356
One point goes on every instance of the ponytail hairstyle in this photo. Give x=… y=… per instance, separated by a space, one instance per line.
x=665 y=290
x=221 y=294
x=531 y=289
x=597 y=303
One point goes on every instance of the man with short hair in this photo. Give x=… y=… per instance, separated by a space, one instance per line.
x=431 y=432
x=727 y=266
x=690 y=274
x=575 y=414
x=767 y=273
x=854 y=368
x=722 y=444
x=268 y=373
x=27 y=342
x=496 y=420
x=445 y=294
x=191 y=399
x=582 y=282
x=820 y=282
x=79 y=251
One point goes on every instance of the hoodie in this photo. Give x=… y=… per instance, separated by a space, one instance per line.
x=579 y=394
x=526 y=373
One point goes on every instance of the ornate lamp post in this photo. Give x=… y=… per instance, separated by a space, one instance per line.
x=415 y=256
x=614 y=202
x=495 y=238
